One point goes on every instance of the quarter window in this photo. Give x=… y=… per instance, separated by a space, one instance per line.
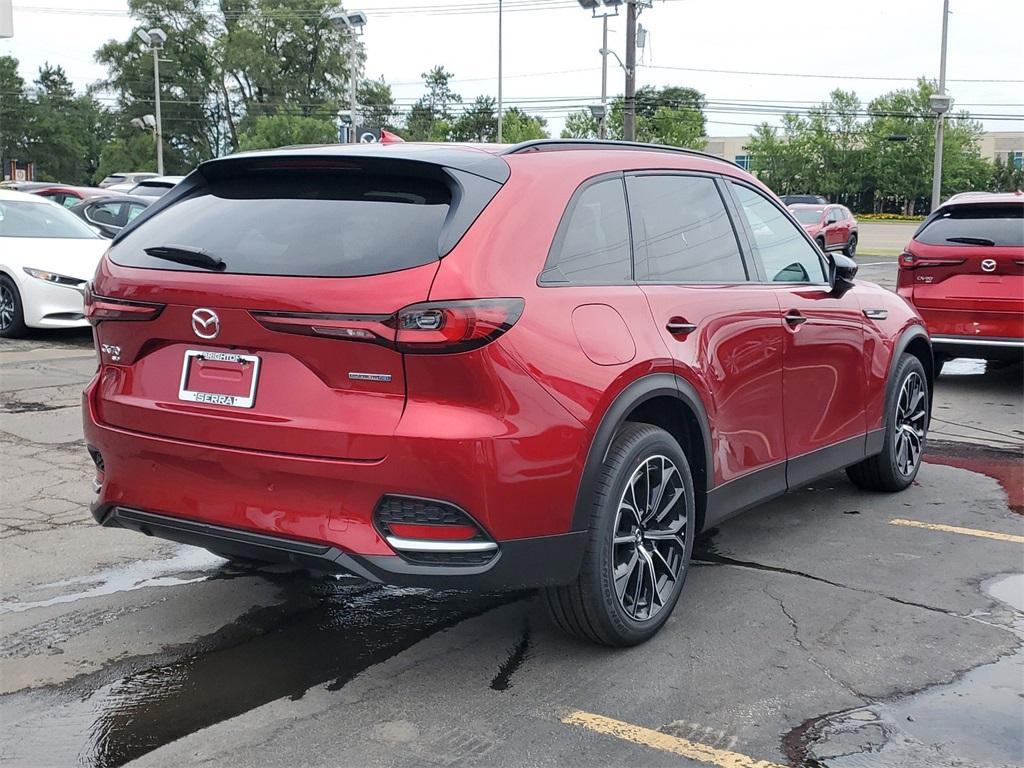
x=786 y=254
x=592 y=242
x=682 y=232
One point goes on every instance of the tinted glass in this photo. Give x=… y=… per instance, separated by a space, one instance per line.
x=592 y=243
x=106 y=213
x=22 y=219
x=149 y=190
x=807 y=215
x=282 y=223
x=995 y=224
x=681 y=231
x=784 y=251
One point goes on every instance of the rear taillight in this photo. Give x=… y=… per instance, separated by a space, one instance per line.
x=434 y=327
x=909 y=261
x=453 y=326
x=102 y=308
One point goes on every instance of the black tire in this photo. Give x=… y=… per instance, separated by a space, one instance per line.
x=12 y=315
x=940 y=362
x=592 y=607
x=821 y=243
x=889 y=470
x=850 y=249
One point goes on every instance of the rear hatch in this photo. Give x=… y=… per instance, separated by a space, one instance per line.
x=969 y=257
x=256 y=308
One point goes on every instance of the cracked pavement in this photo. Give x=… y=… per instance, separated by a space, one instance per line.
x=811 y=632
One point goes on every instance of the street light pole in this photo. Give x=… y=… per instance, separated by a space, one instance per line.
x=603 y=130
x=940 y=118
x=155 y=39
x=500 y=116
x=629 y=113
x=352 y=76
x=159 y=124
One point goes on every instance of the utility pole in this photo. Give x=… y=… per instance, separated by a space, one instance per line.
x=629 y=113
x=940 y=106
x=603 y=129
x=500 y=109
x=155 y=39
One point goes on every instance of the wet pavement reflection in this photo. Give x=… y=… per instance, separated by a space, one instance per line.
x=323 y=632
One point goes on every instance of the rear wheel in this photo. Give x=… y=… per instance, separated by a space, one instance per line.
x=639 y=543
x=821 y=243
x=12 y=315
x=851 y=246
x=906 y=426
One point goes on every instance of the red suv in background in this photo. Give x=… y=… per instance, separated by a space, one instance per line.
x=833 y=227
x=964 y=272
x=545 y=365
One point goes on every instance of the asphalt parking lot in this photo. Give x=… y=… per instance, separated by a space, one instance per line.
x=832 y=627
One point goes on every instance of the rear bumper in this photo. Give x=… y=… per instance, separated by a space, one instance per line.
x=979 y=347
x=519 y=564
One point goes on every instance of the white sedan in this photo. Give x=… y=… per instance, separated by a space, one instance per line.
x=47 y=256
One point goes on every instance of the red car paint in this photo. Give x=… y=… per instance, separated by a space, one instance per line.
x=505 y=431
x=970 y=294
x=832 y=226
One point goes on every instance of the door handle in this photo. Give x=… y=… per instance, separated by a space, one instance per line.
x=794 y=319
x=677 y=326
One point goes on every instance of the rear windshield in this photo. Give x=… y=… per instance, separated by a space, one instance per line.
x=807 y=215
x=988 y=225
x=304 y=224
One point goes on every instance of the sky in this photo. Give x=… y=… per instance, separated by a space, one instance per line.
x=742 y=54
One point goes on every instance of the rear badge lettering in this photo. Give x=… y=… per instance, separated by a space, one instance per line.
x=355 y=376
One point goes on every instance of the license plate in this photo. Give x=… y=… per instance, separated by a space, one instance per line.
x=219 y=378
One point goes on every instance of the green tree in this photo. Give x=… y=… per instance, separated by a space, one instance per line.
x=519 y=126
x=430 y=118
x=15 y=111
x=1005 y=176
x=479 y=122
x=377 y=104
x=581 y=125
x=285 y=130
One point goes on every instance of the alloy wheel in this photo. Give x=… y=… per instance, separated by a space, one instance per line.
x=6 y=307
x=649 y=540
x=911 y=412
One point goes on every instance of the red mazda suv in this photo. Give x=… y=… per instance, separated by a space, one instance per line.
x=491 y=367
x=833 y=227
x=964 y=272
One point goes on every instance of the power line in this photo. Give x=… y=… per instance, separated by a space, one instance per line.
x=819 y=75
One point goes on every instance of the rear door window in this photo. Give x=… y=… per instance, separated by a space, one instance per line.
x=591 y=246
x=340 y=224
x=976 y=225
x=681 y=231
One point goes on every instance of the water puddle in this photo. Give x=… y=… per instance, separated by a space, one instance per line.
x=324 y=632
x=977 y=720
x=189 y=565
x=1005 y=466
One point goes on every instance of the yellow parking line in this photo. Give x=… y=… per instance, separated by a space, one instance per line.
x=663 y=741
x=963 y=531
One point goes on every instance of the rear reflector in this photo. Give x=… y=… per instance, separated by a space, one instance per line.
x=416 y=527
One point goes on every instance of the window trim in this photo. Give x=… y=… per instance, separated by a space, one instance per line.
x=749 y=234
x=717 y=180
x=563 y=226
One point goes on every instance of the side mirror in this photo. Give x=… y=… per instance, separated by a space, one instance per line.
x=842 y=269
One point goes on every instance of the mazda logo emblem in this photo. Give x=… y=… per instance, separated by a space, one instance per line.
x=205 y=323
x=989 y=265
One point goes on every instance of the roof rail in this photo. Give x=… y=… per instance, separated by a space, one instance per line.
x=552 y=145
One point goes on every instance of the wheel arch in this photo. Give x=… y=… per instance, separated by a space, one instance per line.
x=915 y=341
x=664 y=400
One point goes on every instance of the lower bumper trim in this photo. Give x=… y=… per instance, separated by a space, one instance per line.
x=969 y=341
x=518 y=564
